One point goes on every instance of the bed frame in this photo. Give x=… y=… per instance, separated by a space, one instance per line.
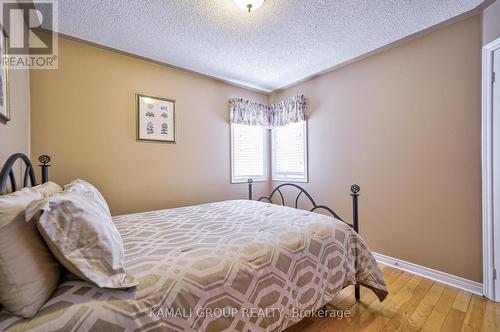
x=7 y=175
x=355 y=189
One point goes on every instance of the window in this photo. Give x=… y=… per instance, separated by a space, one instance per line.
x=249 y=153
x=290 y=152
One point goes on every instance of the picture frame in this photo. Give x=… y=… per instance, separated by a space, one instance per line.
x=4 y=81
x=155 y=119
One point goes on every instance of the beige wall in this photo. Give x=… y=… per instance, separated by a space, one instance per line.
x=14 y=136
x=405 y=125
x=491 y=23
x=84 y=116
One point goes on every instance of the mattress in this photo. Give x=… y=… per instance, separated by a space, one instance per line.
x=233 y=265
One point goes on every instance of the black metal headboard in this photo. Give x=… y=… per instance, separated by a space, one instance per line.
x=7 y=174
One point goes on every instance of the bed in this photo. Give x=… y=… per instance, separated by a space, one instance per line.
x=235 y=265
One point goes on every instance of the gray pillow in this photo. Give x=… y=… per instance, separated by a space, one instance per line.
x=84 y=188
x=84 y=239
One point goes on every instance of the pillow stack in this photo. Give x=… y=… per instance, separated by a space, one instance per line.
x=76 y=225
x=42 y=228
x=29 y=273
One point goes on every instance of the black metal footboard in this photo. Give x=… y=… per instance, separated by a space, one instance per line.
x=355 y=189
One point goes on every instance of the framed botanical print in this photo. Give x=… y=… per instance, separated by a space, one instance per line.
x=155 y=119
x=4 y=80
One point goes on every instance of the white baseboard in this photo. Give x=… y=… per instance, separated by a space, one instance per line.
x=442 y=277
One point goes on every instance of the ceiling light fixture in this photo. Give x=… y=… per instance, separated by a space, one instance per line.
x=249 y=5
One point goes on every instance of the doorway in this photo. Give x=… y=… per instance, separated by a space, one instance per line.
x=491 y=169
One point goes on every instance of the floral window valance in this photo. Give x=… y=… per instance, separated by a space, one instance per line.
x=288 y=111
x=250 y=113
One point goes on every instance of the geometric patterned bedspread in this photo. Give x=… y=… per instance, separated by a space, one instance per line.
x=233 y=265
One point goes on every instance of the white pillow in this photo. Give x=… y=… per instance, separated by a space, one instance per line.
x=48 y=188
x=84 y=188
x=29 y=273
x=84 y=239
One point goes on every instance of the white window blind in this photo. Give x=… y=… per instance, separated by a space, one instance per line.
x=248 y=153
x=290 y=152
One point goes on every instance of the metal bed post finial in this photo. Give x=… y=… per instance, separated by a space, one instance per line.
x=250 y=184
x=45 y=160
x=355 y=189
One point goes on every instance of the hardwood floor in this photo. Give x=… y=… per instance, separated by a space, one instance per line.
x=414 y=304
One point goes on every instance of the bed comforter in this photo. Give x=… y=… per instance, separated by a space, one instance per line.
x=232 y=265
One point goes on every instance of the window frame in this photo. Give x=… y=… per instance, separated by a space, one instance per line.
x=266 y=141
x=274 y=178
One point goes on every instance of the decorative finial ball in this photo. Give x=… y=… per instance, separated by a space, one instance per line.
x=355 y=189
x=44 y=159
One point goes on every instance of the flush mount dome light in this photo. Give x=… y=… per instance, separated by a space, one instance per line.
x=249 y=5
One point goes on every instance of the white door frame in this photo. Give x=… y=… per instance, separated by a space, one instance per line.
x=487 y=165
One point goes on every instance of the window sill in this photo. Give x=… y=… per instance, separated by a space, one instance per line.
x=290 y=180
x=246 y=181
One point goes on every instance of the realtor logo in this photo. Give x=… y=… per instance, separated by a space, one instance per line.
x=28 y=30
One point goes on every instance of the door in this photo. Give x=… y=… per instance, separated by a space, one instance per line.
x=496 y=171
x=490 y=129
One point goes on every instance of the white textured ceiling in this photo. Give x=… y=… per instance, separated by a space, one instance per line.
x=282 y=42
